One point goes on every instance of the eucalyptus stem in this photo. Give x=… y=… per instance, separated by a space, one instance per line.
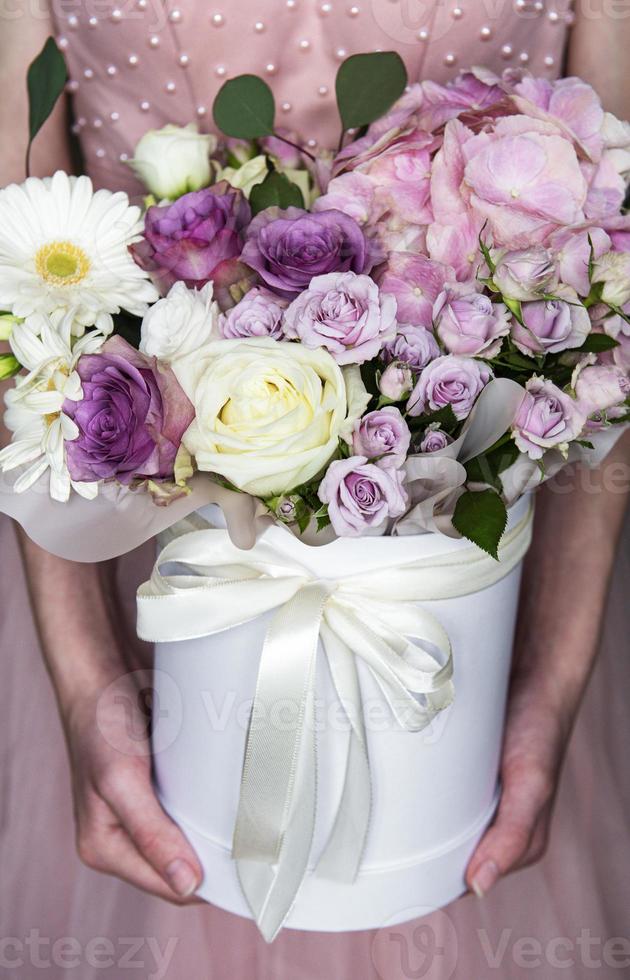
x=296 y=146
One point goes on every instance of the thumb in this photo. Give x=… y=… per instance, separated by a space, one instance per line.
x=507 y=842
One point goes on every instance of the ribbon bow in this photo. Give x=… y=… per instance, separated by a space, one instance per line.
x=374 y=616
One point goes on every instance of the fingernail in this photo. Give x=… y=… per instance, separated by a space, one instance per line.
x=181 y=877
x=485 y=878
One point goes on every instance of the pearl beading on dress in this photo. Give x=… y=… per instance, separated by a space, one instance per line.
x=153 y=46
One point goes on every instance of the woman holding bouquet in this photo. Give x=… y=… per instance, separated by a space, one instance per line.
x=144 y=65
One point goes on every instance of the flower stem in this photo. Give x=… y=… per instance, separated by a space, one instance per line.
x=296 y=146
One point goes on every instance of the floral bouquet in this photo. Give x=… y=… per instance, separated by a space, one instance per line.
x=320 y=333
x=399 y=337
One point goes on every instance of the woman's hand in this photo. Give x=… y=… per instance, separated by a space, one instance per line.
x=121 y=828
x=565 y=583
x=536 y=736
x=105 y=711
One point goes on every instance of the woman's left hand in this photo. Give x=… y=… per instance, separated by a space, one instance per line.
x=536 y=736
x=565 y=583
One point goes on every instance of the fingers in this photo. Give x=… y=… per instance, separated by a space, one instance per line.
x=111 y=851
x=162 y=845
x=518 y=834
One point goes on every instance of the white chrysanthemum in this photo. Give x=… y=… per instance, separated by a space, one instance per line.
x=64 y=247
x=34 y=407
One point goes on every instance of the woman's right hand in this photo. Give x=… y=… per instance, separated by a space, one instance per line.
x=121 y=828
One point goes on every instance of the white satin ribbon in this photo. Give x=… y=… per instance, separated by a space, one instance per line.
x=373 y=615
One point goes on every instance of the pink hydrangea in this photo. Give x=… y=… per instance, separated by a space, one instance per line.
x=416 y=282
x=525 y=179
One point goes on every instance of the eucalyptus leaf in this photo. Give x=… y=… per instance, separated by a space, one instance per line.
x=367 y=85
x=275 y=190
x=45 y=81
x=245 y=108
x=481 y=516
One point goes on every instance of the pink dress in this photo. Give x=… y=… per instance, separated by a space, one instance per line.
x=140 y=64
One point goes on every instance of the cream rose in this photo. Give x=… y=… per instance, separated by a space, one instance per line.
x=269 y=414
x=174 y=160
x=247 y=175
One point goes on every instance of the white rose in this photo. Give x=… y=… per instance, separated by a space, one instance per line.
x=179 y=324
x=269 y=414
x=613 y=270
x=174 y=160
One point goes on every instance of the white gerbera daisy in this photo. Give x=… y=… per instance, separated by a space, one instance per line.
x=35 y=407
x=64 y=247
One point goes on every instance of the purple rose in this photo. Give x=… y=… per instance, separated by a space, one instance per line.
x=259 y=314
x=131 y=419
x=434 y=440
x=600 y=387
x=449 y=380
x=188 y=239
x=412 y=345
x=550 y=326
x=470 y=323
x=416 y=282
x=382 y=435
x=546 y=417
x=345 y=313
x=526 y=273
x=288 y=248
x=361 y=495
x=396 y=381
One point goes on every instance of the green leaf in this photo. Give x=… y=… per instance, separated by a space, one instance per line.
x=245 y=108
x=444 y=417
x=367 y=85
x=517 y=361
x=481 y=517
x=276 y=189
x=9 y=366
x=595 y=343
x=321 y=517
x=595 y=295
x=45 y=81
x=128 y=326
x=488 y=467
x=515 y=306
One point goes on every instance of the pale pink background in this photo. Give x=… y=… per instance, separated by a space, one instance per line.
x=580 y=892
